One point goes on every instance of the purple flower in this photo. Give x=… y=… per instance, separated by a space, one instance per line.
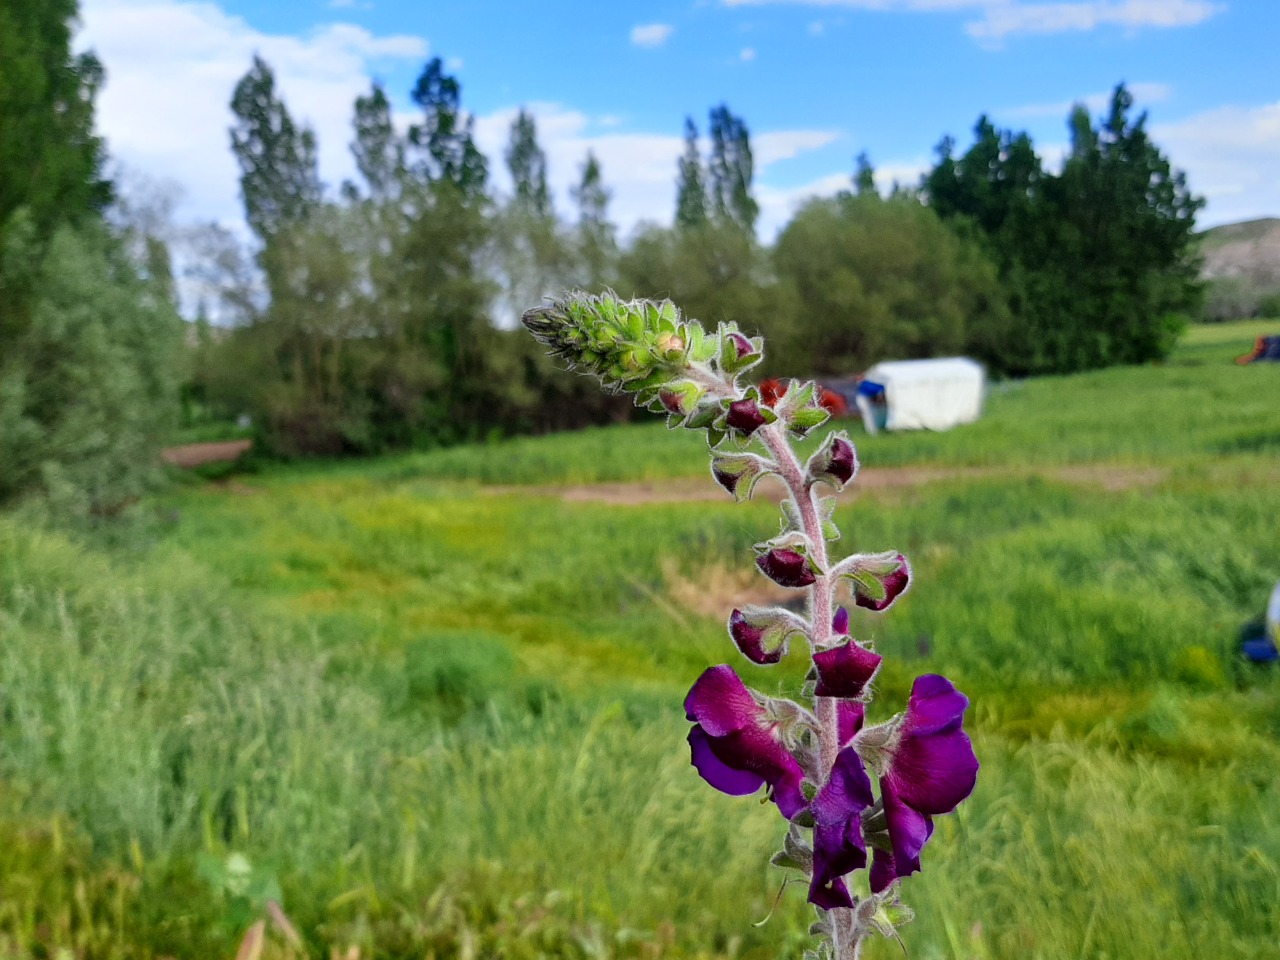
x=838 y=846
x=931 y=768
x=840 y=622
x=745 y=415
x=787 y=568
x=845 y=671
x=734 y=746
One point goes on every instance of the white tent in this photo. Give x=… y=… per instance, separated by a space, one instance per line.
x=923 y=394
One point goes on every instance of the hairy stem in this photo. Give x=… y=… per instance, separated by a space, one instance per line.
x=845 y=939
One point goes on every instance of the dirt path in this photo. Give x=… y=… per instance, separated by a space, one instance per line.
x=198 y=454
x=701 y=489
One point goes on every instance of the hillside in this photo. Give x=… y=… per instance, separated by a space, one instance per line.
x=1249 y=250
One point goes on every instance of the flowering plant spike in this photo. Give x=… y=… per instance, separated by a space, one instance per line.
x=856 y=797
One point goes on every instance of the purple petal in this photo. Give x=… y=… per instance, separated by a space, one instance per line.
x=750 y=640
x=736 y=783
x=786 y=568
x=721 y=702
x=755 y=750
x=845 y=671
x=909 y=830
x=745 y=415
x=829 y=896
x=850 y=715
x=883 y=871
x=935 y=705
x=840 y=622
x=846 y=793
x=933 y=766
x=838 y=847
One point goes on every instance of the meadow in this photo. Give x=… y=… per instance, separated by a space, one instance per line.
x=432 y=707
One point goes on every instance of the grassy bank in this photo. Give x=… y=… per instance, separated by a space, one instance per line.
x=438 y=721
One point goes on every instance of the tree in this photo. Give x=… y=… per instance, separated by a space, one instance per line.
x=864 y=176
x=279 y=180
x=691 y=191
x=730 y=170
x=865 y=279
x=528 y=166
x=1098 y=260
x=50 y=160
x=378 y=150
x=596 y=236
x=446 y=150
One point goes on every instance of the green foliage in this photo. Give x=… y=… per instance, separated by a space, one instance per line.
x=865 y=279
x=50 y=159
x=1097 y=260
x=596 y=240
x=88 y=388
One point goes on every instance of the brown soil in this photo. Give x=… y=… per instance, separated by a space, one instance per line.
x=702 y=489
x=198 y=454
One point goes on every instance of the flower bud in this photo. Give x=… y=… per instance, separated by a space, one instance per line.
x=845 y=671
x=787 y=568
x=745 y=416
x=835 y=462
x=739 y=472
x=737 y=352
x=876 y=579
x=761 y=634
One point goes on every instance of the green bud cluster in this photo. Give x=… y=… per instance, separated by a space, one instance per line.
x=628 y=345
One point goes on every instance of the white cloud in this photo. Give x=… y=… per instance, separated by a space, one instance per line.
x=651 y=34
x=772 y=146
x=1002 y=18
x=165 y=107
x=1143 y=93
x=747 y=54
x=1232 y=157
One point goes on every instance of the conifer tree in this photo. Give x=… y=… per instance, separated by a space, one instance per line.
x=691 y=190
x=864 y=175
x=730 y=171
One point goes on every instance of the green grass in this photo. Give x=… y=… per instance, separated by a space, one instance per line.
x=1198 y=405
x=446 y=722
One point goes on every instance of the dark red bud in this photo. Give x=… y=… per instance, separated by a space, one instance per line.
x=786 y=568
x=745 y=415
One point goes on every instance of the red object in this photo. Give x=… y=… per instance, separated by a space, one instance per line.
x=772 y=389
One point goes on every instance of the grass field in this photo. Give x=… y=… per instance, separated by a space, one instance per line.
x=433 y=720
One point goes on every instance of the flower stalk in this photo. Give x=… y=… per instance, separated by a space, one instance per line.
x=817 y=762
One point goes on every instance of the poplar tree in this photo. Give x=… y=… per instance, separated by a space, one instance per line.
x=597 y=243
x=864 y=176
x=279 y=180
x=528 y=166
x=730 y=171
x=691 y=190
x=378 y=150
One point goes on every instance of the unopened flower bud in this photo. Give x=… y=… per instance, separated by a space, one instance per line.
x=787 y=568
x=745 y=416
x=876 y=579
x=671 y=346
x=762 y=634
x=835 y=462
x=739 y=472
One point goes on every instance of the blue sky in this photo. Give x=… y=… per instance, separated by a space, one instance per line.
x=817 y=81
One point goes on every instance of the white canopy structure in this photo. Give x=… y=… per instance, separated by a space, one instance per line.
x=922 y=394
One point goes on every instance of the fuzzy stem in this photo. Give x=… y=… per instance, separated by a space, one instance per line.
x=846 y=943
